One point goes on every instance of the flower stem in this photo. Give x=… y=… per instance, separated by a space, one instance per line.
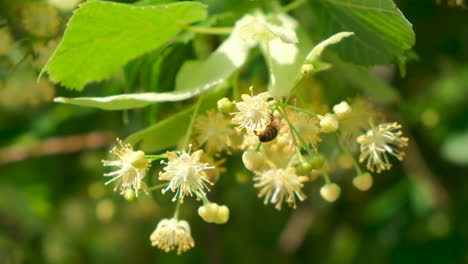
x=210 y=31
x=298 y=109
x=177 y=210
x=192 y=121
x=296 y=133
x=346 y=150
x=326 y=177
x=257 y=147
x=156 y=157
x=293 y=5
x=157 y=187
x=205 y=200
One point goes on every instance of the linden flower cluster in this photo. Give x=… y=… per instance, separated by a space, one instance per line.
x=281 y=145
x=185 y=175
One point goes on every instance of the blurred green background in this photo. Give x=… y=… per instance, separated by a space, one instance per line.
x=54 y=207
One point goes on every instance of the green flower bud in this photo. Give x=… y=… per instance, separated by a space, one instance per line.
x=225 y=105
x=304 y=168
x=129 y=195
x=317 y=162
x=138 y=160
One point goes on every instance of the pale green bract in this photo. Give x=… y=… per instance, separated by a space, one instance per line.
x=219 y=66
x=129 y=101
x=382 y=33
x=101 y=37
x=314 y=56
x=168 y=132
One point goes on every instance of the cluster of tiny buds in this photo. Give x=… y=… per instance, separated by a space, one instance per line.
x=329 y=122
x=214 y=213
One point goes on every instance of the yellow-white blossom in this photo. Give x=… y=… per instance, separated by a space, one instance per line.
x=280 y=185
x=254 y=112
x=215 y=131
x=171 y=234
x=132 y=168
x=186 y=174
x=377 y=142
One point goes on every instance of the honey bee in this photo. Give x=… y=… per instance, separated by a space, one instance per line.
x=270 y=132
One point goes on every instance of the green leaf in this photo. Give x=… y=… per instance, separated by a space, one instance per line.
x=220 y=65
x=102 y=36
x=361 y=78
x=314 y=56
x=129 y=101
x=153 y=2
x=169 y=131
x=455 y=148
x=382 y=33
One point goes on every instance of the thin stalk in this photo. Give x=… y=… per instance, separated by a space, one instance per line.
x=298 y=109
x=294 y=89
x=346 y=150
x=293 y=5
x=205 y=199
x=295 y=132
x=257 y=147
x=192 y=121
x=156 y=157
x=157 y=187
x=177 y=210
x=326 y=177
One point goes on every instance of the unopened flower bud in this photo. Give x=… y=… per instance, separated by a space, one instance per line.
x=307 y=69
x=225 y=105
x=222 y=215
x=138 y=160
x=213 y=213
x=317 y=162
x=304 y=168
x=277 y=114
x=363 y=182
x=342 y=110
x=330 y=192
x=129 y=195
x=252 y=159
x=329 y=124
x=208 y=212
